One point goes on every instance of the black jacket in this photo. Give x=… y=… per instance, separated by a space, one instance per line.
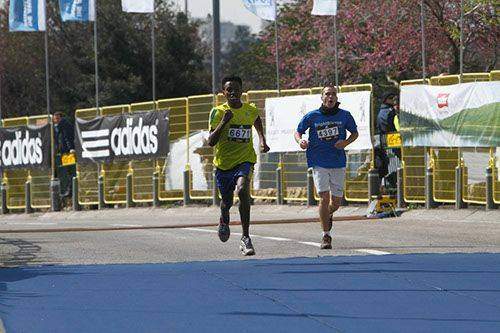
x=64 y=136
x=385 y=119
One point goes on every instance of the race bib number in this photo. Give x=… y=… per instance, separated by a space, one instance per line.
x=240 y=133
x=327 y=132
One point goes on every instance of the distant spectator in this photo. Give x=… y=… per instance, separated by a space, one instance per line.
x=388 y=114
x=64 y=140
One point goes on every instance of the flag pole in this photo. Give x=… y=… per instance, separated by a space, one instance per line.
x=96 y=68
x=336 y=51
x=461 y=39
x=153 y=53
x=277 y=48
x=422 y=28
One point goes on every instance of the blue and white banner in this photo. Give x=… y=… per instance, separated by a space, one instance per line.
x=27 y=15
x=324 y=7
x=265 y=9
x=77 y=10
x=138 y=6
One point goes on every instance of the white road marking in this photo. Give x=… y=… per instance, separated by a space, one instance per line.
x=375 y=252
x=30 y=223
x=311 y=243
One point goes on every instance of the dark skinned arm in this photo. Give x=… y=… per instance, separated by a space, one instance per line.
x=215 y=134
x=264 y=148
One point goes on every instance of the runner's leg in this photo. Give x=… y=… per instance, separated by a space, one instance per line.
x=243 y=192
x=324 y=211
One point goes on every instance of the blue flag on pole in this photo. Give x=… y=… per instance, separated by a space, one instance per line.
x=265 y=9
x=77 y=10
x=27 y=15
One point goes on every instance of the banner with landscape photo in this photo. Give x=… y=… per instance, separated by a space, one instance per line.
x=461 y=115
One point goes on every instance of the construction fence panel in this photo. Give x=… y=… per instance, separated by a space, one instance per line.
x=201 y=160
x=414 y=166
x=115 y=173
x=445 y=161
x=87 y=174
x=16 y=179
x=142 y=171
x=264 y=184
x=40 y=178
x=171 y=169
x=476 y=161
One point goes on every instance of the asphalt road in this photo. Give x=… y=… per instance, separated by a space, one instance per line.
x=275 y=240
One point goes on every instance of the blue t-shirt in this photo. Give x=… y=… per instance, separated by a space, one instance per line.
x=324 y=132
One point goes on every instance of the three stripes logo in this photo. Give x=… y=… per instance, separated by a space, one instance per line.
x=95 y=144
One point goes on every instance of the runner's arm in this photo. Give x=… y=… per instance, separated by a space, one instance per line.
x=215 y=134
x=260 y=130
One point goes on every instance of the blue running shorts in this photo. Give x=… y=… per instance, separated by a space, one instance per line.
x=226 y=179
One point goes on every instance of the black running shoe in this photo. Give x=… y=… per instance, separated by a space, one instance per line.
x=326 y=243
x=246 y=246
x=224 y=231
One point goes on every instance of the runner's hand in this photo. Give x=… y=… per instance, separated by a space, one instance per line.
x=228 y=115
x=264 y=148
x=303 y=143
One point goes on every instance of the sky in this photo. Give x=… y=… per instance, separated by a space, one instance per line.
x=230 y=10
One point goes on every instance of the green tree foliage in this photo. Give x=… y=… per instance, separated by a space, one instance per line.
x=125 y=66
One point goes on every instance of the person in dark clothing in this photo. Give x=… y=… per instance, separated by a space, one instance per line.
x=387 y=113
x=387 y=122
x=64 y=140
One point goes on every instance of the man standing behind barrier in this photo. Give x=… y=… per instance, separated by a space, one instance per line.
x=325 y=154
x=64 y=138
x=231 y=134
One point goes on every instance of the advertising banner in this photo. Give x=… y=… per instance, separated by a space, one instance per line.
x=460 y=115
x=25 y=147
x=135 y=136
x=283 y=114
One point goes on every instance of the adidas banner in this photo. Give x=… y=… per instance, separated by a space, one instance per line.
x=135 y=136
x=25 y=147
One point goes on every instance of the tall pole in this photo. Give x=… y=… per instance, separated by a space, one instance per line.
x=47 y=92
x=186 y=7
x=461 y=39
x=422 y=29
x=95 y=60
x=336 y=51
x=153 y=53
x=276 y=41
x=215 y=47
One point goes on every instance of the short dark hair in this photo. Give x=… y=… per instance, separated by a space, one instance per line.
x=329 y=85
x=59 y=113
x=388 y=95
x=231 y=79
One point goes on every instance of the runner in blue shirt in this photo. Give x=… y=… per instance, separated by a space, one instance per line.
x=325 y=154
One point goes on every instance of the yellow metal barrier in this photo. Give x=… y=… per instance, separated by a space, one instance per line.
x=356 y=180
x=142 y=171
x=15 y=179
x=294 y=164
x=445 y=80
x=199 y=111
x=115 y=173
x=178 y=118
x=87 y=173
x=414 y=165
x=40 y=179
x=495 y=75
x=475 y=77
x=444 y=160
x=495 y=160
x=265 y=170
x=476 y=160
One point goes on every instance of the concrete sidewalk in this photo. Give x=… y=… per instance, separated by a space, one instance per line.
x=202 y=215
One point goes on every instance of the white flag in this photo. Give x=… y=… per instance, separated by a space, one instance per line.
x=265 y=9
x=324 y=7
x=138 y=6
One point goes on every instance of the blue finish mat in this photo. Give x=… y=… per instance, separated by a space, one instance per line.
x=393 y=293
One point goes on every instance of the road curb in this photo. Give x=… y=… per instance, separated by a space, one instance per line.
x=176 y=226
